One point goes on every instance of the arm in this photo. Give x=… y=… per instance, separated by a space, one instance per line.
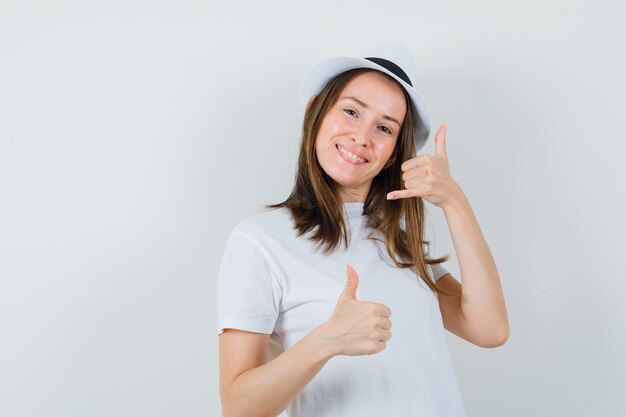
x=267 y=390
x=479 y=315
x=482 y=307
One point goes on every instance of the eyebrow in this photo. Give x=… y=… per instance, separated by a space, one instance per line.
x=365 y=106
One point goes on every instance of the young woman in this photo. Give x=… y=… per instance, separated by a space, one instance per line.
x=296 y=334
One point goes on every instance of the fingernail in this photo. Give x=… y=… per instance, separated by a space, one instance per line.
x=390 y=196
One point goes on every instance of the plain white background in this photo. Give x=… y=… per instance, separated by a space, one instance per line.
x=134 y=135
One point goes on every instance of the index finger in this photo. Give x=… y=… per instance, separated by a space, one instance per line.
x=413 y=162
x=385 y=311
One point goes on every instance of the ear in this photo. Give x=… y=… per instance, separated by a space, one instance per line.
x=310 y=102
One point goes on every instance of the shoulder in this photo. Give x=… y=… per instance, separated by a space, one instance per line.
x=268 y=222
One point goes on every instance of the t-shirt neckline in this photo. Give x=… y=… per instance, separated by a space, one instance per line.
x=353 y=209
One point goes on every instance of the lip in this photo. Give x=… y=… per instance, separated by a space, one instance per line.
x=351 y=150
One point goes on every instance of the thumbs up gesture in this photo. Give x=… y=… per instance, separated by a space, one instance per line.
x=357 y=327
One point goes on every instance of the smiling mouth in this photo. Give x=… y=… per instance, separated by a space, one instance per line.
x=350 y=155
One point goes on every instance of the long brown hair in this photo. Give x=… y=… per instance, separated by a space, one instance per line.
x=315 y=201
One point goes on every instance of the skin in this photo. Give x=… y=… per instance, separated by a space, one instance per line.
x=364 y=130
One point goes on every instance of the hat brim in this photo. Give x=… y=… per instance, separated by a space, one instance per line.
x=317 y=77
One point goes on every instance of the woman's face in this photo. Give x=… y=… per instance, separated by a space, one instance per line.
x=359 y=133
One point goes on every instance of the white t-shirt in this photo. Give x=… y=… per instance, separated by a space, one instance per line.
x=271 y=281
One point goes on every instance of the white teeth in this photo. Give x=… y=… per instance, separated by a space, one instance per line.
x=350 y=155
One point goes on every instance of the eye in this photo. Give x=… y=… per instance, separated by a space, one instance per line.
x=349 y=110
x=388 y=130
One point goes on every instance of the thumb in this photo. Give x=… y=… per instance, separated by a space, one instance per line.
x=349 y=292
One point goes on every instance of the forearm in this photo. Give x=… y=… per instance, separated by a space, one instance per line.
x=482 y=299
x=266 y=391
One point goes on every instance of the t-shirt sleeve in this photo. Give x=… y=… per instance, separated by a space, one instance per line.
x=248 y=293
x=438 y=271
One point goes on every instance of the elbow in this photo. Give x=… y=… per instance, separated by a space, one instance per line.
x=235 y=404
x=498 y=342
x=232 y=408
x=228 y=409
x=493 y=337
x=499 y=339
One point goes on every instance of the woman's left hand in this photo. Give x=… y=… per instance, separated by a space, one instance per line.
x=428 y=176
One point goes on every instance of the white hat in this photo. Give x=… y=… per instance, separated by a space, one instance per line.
x=391 y=58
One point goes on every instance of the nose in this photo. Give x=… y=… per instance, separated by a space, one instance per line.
x=362 y=134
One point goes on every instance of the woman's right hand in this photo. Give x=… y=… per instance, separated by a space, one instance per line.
x=357 y=327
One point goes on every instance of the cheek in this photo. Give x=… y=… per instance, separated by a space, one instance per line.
x=321 y=150
x=386 y=149
x=323 y=142
x=332 y=126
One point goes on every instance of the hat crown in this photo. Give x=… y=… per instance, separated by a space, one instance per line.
x=394 y=52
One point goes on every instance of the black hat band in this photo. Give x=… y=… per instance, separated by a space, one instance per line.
x=388 y=65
